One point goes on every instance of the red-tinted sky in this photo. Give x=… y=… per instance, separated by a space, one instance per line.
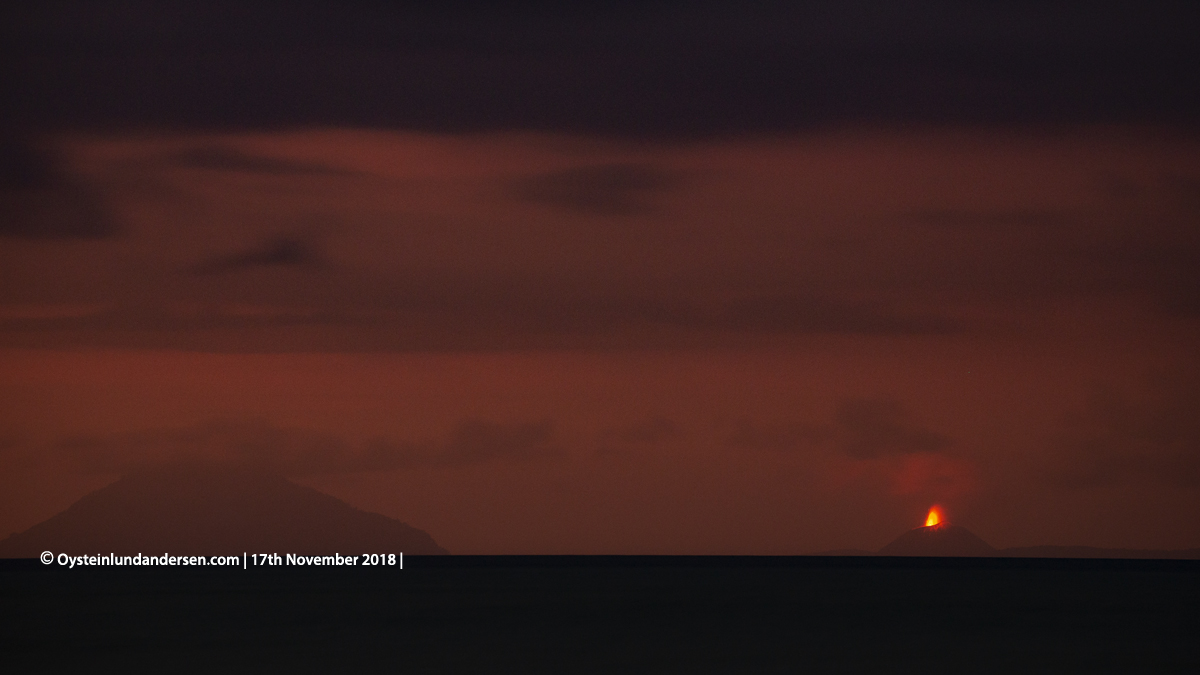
x=571 y=333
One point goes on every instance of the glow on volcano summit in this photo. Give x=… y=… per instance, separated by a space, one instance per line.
x=935 y=516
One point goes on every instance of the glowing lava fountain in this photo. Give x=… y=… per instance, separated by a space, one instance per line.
x=935 y=516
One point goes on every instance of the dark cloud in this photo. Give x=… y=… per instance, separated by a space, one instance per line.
x=448 y=314
x=776 y=436
x=249 y=443
x=605 y=190
x=870 y=428
x=17 y=453
x=566 y=306
x=481 y=441
x=967 y=219
x=657 y=69
x=1122 y=438
x=24 y=167
x=283 y=251
x=802 y=313
x=227 y=159
x=301 y=452
x=1139 y=239
x=9 y=442
x=910 y=274
x=570 y=307
x=1168 y=272
x=650 y=431
x=1185 y=191
x=759 y=270
x=860 y=428
x=40 y=200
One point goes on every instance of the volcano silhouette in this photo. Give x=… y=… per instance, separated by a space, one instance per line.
x=942 y=539
x=191 y=510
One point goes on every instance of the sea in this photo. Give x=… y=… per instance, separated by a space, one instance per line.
x=609 y=614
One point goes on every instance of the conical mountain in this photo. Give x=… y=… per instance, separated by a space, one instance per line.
x=942 y=539
x=190 y=510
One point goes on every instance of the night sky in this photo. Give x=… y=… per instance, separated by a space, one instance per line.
x=645 y=278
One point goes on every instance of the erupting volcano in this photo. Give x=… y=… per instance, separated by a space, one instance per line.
x=934 y=517
x=938 y=538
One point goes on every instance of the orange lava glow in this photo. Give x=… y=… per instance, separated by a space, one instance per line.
x=934 y=517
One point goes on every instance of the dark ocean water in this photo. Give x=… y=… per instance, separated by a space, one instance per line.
x=595 y=614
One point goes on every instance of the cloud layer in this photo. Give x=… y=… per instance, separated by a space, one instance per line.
x=660 y=70
x=297 y=452
x=41 y=200
x=861 y=428
x=516 y=241
x=1142 y=437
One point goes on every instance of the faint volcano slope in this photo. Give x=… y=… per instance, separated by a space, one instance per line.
x=214 y=511
x=942 y=539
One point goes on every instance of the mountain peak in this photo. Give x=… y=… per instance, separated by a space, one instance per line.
x=215 y=510
x=941 y=539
